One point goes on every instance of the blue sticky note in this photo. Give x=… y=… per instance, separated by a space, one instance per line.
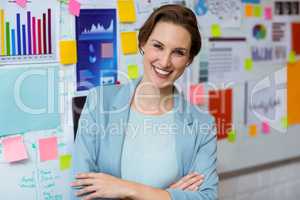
x=29 y=99
x=251 y=1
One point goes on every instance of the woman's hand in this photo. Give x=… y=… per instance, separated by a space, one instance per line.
x=190 y=182
x=96 y=185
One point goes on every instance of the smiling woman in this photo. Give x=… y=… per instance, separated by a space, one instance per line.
x=142 y=140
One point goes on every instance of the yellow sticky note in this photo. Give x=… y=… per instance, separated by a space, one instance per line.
x=133 y=71
x=231 y=136
x=126 y=11
x=248 y=64
x=257 y=11
x=284 y=122
x=292 y=57
x=129 y=42
x=65 y=162
x=252 y=130
x=216 y=30
x=68 y=52
x=248 y=10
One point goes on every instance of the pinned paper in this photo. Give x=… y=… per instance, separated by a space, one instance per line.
x=133 y=71
x=216 y=30
x=265 y=128
x=231 y=136
x=107 y=50
x=295 y=37
x=293 y=93
x=268 y=13
x=292 y=57
x=126 y=11
x=196 y=94
x=74 y=7
x=48 y=148
x=248 y=10
x=248 y=64
x=65 y=162
x=220 y=106
x=129 y=42
x=252 y=130
x=21 y=3
x=257 y=11
x=14 y=149
x=68 y=52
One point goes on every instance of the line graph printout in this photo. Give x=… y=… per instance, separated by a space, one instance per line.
x=28 y=35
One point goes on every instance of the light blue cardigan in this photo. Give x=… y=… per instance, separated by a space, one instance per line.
x=100 y=136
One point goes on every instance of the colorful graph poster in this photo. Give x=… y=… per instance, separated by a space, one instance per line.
x=96 y=48
x=226 y=13
x=28 y=35
x=266 y=101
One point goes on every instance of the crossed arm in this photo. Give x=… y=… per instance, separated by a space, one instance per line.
x=97 y=185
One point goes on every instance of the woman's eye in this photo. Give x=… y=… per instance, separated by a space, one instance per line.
x=157 y=46
x=180 y=53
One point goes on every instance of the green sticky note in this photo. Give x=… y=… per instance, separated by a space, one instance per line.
x=231 y=137
x=133 y=71
x=216 y=30
x=257 y=11
x=65 y=162
x=292 y=57
x=248 y=64
x=284 y=122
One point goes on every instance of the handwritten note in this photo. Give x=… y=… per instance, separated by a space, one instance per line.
x=216 y=30
x=74 y=7
x=65 y=162
x=265 y=128
x=268 y=13
x=231 y=136
x=248 y=10
x=133 y=71
x=14 y=149
x=292 y=57
x=68 y=52
x=126 y=10
x=257 y=11
x=129 y=42
x=252 y=130
x=248 y=64
x=48 y=148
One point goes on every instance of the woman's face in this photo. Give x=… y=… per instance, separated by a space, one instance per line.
x=166 y=54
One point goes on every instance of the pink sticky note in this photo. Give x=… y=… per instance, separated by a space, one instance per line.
x=14 y=149
x=21 y=3
x=48 y=148
x=268 y=13
x=196 y=94
x=74 y=7
x=107 y=50
x=265 y=128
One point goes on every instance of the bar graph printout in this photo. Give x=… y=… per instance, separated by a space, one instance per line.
x=28 y=35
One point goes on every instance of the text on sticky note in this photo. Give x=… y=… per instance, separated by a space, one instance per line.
x=129 y=42
x=14 y=149
x=48 y=148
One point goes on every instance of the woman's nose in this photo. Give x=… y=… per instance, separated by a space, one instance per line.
x=165 y=59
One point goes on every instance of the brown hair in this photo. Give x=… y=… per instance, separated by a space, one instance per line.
x=177 y=14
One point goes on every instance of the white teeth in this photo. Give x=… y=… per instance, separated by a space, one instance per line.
x=162 y=72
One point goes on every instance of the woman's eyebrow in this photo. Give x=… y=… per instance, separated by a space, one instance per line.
x=177 y=48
